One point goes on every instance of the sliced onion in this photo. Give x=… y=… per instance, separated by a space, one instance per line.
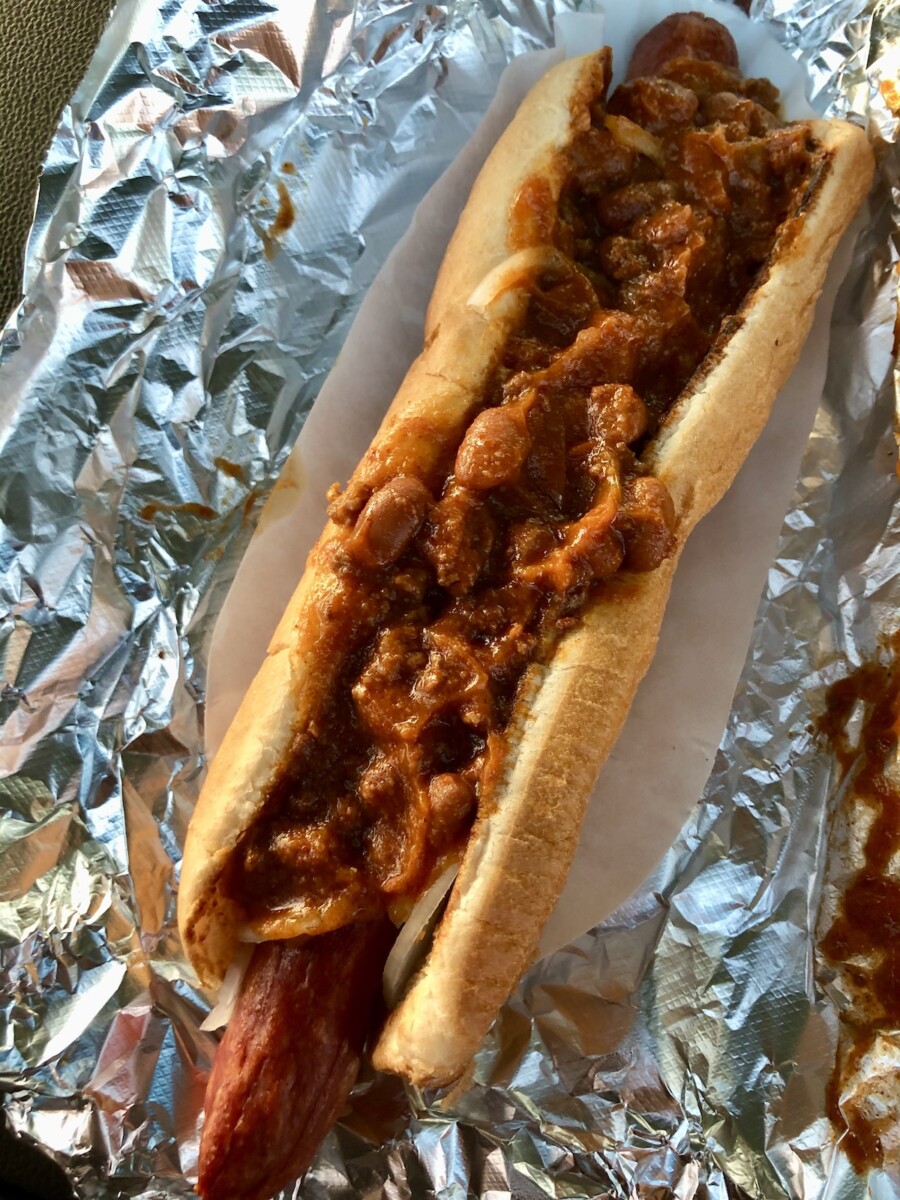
x=628 y=133
x=414 y=938
x=513 y=273
x=222 y=1010
x=406 y=954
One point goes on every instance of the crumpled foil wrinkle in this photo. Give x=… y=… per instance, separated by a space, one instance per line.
x=183 y=305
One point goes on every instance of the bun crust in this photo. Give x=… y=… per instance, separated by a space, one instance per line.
x=570 y=714
x=462 y=345
x=519 y=853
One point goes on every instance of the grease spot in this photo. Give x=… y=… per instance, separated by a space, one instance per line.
x=232 y=470
x=284 y=494
x=284 y=219
x=150 y=511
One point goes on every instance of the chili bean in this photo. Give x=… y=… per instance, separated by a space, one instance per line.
x=618 y=413
x=493 y=450
x=452 y=799
x=389 y=522
x=646 y=522
x=682 y=35
x=655 y=104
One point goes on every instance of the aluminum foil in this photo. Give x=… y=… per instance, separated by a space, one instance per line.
x=151 y=385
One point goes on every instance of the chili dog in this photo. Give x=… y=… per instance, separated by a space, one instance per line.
x=629 y=285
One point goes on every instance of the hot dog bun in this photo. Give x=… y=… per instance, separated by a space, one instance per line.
x=520 y=852
x=461 y=348
x=571 y=709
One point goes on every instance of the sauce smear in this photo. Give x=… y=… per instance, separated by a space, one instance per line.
x=863 y=942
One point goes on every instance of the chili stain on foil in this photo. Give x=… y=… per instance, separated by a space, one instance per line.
x=285 y=215
x=229 y=468
x=863 y=941
x=149 y=512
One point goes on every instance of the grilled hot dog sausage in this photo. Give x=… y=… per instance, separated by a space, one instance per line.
x=289 y=1058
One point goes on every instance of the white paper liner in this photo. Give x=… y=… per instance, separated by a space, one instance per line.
x=659 y=766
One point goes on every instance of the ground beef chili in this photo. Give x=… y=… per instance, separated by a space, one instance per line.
x=449 y=591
